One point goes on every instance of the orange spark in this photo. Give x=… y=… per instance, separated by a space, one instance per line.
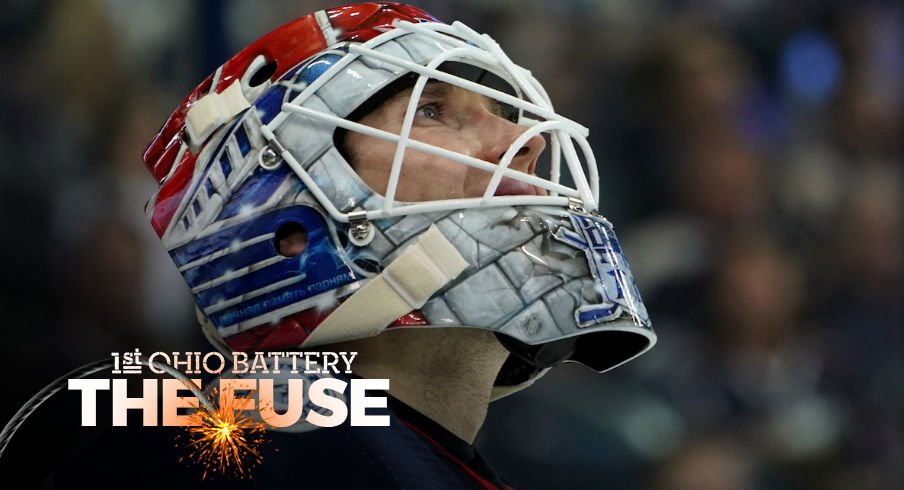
x=226 y=440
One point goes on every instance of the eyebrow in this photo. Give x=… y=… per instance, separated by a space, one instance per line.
x=436 y=88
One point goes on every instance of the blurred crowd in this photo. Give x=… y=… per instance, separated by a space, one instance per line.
x=752 y=160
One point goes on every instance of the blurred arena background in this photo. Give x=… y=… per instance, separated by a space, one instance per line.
x=752 y=154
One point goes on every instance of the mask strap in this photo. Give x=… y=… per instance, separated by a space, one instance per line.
x=208 y=113
x=405 y=285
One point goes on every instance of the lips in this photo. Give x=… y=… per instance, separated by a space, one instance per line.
x=511 y=187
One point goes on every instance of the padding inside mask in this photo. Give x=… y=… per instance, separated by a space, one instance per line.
x=462 y=70
x=516 y=371
x=526 y=361
x=543 y=355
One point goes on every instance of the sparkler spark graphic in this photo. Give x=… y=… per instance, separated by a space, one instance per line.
x=224 y=441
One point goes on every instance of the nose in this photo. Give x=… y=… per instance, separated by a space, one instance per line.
x=498 y=134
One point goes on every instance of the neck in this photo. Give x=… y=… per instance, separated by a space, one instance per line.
x=445 y=374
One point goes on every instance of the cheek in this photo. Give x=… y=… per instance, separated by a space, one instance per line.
x=371 y=158
x=426 y=177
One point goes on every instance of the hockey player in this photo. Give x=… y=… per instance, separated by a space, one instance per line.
x=369 y=179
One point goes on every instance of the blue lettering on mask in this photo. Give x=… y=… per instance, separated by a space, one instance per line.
x=618 y=292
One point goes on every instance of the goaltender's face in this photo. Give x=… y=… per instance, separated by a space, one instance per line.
x=452 y=118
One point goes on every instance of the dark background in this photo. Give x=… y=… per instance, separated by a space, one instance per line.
x=751 y=159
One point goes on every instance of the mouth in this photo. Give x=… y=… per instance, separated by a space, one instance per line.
x=511 y=187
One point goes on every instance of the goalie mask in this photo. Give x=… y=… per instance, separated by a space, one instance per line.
x=294 y=141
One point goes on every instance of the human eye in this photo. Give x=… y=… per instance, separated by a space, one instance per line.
x=505 y=111
x=430 y=110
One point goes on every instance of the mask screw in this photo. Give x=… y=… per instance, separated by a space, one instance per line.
x=268 y=158
x=576 y=205
x=360 y=231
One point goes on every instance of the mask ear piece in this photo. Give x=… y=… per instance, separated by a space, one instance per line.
x=291 y=239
